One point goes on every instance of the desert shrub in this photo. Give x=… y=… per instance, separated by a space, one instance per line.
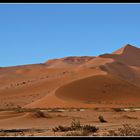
x=126 y=130
x=101 y=118
x=85 y=131
x=75 y=124
x=40 y=114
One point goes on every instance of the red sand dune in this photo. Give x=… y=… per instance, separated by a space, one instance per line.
x=107 y=79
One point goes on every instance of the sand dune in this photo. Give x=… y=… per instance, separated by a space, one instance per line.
x=74 y=81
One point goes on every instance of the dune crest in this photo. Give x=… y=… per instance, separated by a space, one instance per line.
x=127 y=47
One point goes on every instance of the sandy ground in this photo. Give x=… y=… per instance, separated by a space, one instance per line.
x=12 y=120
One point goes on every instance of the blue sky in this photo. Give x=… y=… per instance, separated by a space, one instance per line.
x=34 y=33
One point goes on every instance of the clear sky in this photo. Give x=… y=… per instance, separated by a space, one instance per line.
x=34 y=33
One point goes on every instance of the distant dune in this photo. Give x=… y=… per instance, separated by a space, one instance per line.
x=81 y=81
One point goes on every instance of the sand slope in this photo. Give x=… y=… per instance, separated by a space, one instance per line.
x=100 y=88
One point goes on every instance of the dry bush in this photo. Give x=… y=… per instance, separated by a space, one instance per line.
x=126 y=130
x=40 y=114
x=86 y=130
x=76 y=126
x=101 y=118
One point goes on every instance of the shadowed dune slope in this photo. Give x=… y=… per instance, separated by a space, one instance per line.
x=125 y=63
x=128 y=55
x=123 y=71
x=104 y=88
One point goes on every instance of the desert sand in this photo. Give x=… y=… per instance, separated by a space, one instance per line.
x=95 y=84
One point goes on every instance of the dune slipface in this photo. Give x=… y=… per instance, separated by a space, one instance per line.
x=100 y=88
x=82 y=81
